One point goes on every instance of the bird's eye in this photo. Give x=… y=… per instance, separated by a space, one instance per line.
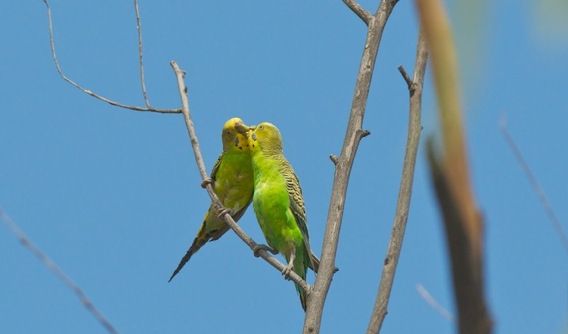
x=261 y=127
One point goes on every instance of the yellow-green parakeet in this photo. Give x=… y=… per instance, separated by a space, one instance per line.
x=232 y=180
x=278 y=202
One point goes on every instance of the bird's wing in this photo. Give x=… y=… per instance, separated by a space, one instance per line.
x=297 y=203
x=236 y=215
x=213 y=174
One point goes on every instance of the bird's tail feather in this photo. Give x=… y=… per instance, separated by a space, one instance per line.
x=314 y=265
x=303 y=296
x=200 y=239
x=301 y=264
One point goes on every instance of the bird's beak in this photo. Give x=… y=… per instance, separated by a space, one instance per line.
x=242 y=129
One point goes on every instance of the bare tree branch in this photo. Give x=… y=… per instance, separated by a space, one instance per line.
x=536 y=186
x=359 y=10
x=405 y=192
x=203 y=173
x=140 y=55
x=343 y=167
x=60 y=274
x=450 y=175
x=430 y=300
x=81 y=88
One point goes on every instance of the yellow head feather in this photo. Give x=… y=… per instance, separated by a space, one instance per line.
x=233 y=138
x=266 y=137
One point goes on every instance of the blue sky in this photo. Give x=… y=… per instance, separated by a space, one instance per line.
x=113 y=195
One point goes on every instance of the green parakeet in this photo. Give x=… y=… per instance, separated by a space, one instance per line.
x=278 y=202
x=232 y=179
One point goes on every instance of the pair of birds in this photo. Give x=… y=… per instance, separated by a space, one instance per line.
x=252 y=168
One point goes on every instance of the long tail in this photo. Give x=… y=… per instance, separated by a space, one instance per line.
x=201 y=239
x=314 y=265
x=301 y=264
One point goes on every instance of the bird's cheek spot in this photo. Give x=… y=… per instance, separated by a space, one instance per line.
x=253 y=136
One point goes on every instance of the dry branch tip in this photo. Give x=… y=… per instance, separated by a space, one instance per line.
x=334 y=159
x=361 y=12
x=141 y=55
x=406 y=77
x=363 y=133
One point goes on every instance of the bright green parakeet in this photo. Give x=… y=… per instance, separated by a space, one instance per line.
x=232 y=179
x=278 y=202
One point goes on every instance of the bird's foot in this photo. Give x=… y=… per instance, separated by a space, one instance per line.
x=222 y=211
x=206 y=181
x=260 y=247
x=287 y=270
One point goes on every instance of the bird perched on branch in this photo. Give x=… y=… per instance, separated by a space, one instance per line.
x=232 y=180
x=278 y=203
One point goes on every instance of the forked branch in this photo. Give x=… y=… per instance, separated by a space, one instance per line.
x=90 y=92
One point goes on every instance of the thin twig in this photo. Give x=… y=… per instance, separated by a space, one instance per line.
x=81 y=88
x=430 y=300
x=203 y=173
x=406 y=78
x=405 y=192
x=58 y=272
x=140 y=55
x=536 y=186
x=359 y=10
x=343 y=167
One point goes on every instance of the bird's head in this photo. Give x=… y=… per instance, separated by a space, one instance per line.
x=235 y=135
x=266 y=137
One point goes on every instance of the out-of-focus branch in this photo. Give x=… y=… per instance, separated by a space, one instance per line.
x=85 y=90
x=430 y=300
x=405 y=192
x=58 y=272
x=140 y=54
x=537 y=188
x=203 y=173
x=450 y=175
x=467 y=266
x=343 y=165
